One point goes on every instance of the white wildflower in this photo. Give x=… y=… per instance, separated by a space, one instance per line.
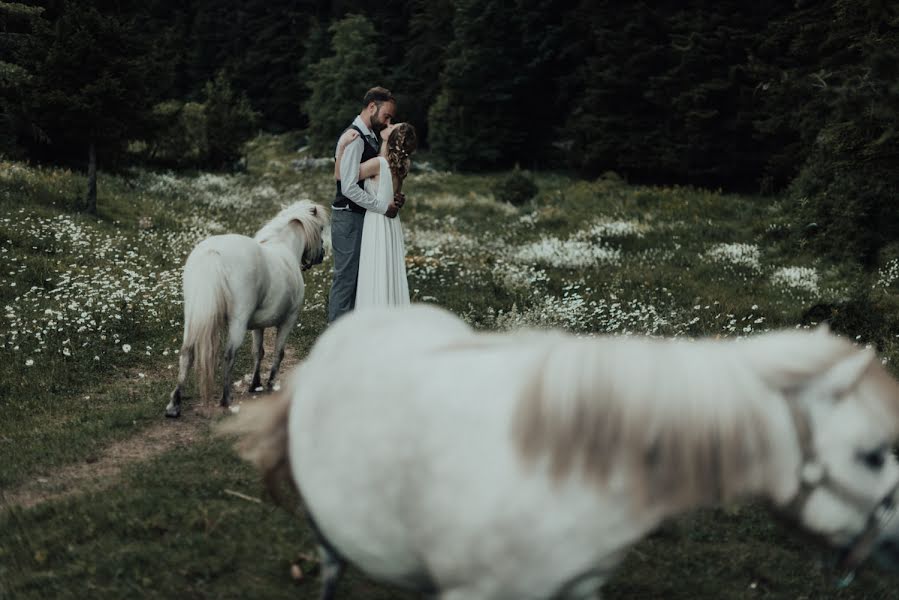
x=800 y=278
x=888 y=274
x=744 y=255
x=566 y=254
x=613 y=229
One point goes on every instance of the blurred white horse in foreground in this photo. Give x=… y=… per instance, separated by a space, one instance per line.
x=233 y=283
x=494 y=466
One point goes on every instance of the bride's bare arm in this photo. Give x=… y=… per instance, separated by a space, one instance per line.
x=370 y=168
x=348 y=136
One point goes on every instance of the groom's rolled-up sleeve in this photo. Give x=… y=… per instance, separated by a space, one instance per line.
x=349 y=176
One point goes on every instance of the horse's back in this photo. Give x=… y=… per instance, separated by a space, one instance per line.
x=229 y=245
x=235 y=261
x=374 y=329
x=400 y=440
x=235 y=253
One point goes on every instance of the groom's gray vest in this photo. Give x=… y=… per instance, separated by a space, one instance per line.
x=341 y=201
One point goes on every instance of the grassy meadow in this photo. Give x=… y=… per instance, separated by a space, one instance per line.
x=91 y=327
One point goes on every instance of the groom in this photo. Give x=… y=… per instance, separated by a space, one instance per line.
x=351 y=201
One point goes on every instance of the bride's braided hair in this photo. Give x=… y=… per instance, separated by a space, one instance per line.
x=400 y=146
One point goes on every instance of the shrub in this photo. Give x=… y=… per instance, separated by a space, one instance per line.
x=867 y=314
x=338 y=82
x=230 y=123
x=211 y=134
x=843 y=198
x=516 y=188
x=180 y=138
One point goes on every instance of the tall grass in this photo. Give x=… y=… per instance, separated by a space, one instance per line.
x=91 y=327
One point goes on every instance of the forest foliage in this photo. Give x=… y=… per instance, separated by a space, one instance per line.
x=798 y=97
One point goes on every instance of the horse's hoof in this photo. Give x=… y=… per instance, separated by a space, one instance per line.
x=173 y=412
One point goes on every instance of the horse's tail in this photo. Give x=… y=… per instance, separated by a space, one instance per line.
x=207 y=299
x=261 y=429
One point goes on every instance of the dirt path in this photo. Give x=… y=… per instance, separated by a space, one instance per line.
x=102 y=470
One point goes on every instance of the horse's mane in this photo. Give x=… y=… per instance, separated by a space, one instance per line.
x=311 y=217
x=687 y=419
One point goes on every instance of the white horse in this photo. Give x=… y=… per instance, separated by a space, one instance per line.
x=233 y=283
x=496 y=466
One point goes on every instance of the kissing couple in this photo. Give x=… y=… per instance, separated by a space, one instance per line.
x=372 y=161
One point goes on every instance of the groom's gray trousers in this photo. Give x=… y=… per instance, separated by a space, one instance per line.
x=346 y=241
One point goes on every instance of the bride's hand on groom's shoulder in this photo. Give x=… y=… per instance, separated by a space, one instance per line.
x=348 y=136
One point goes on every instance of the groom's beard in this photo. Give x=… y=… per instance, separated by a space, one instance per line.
x=377 y=125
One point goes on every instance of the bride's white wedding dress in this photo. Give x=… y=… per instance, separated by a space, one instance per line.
x=382 y=258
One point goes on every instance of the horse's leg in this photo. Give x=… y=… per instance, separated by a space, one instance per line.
x=332 y=567
x=258 y=353
x=185 y=360
x=284 y=330
x=236 y=332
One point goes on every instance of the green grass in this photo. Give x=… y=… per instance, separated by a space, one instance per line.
x=77 y=290
x=166 y=530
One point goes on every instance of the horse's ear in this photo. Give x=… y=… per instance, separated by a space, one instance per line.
x=843 y=376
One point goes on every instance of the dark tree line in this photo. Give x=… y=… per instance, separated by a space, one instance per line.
x=761 y=96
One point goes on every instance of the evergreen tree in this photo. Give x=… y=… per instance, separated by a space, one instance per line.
x=424 y=50
x=218 y=38
x=164 y=29
x=614 y=116
x=838 y=93
x=94 y=89
x=316 y=47
x=230 y=122
x=19 y=48
x=268 y=69
x=496 y=104
x=338 y=82
x=665 y=92
x=475 y=115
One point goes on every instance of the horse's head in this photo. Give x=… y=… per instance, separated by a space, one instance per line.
x=314 y=248
x=847 y=420
x=303 y=223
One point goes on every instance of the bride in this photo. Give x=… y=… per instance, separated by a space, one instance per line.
x=382 y=258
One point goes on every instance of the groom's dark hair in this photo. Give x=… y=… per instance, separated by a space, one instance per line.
x=378 y=95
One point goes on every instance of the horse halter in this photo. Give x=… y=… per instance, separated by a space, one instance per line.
x=813 y=475
x=308 y=263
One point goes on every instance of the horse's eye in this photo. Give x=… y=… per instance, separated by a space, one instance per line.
x=873 y=460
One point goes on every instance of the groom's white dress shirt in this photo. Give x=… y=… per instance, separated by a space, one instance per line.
x=349 y=172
